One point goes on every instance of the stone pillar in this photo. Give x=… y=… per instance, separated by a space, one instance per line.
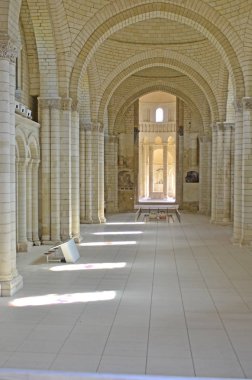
x=165 y=167
x=101 y=215
x=88 y=172
x=205 y=175
x=10 y=280
x=238 y=133
x=66 y=170
x=180 y=167
x=214 y=172
x=35 y=234
x=141 y=170
x=227 y=172
x=219 y=179
x=146 y=170
x=75 y=173
x=29 y=200
x=22 y=243
x=45 y=171
x=97 y=173
x=50 y=169
x=150 y=171
x=246 y=237
x=111 y=173
x=82 y=173
x=55 y=165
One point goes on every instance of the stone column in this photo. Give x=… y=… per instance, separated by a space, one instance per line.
x=180 y=166
x=219 y=180
x=165 y=167
x=88 y=172
x=22 y=243
x=75 y=173
x=150 y=170
x=111 y=173
x=82 y=173
x=238 y=133
x=55 y=167
x=146 y=170
x=246 y=237
x=101 y=215
x=10 y=280
x=227 y=172
x=50 y=169
x=45 y=171
x=66 y=170
x=205 y=175
x=29 y=200
x=95 y=173
x=141 y=170
x=35 y=232
x=214 y=172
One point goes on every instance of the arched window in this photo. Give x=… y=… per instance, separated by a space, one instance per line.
x=159 y=115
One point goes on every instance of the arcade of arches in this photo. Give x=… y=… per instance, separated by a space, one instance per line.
x=105 y=103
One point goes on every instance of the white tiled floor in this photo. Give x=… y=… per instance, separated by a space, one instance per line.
x=182 y=305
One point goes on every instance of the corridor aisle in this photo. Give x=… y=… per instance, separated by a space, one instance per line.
x=155 y=298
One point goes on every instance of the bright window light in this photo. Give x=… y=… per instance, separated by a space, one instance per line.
x=90 y=266
x=56 y=299
x=159 y=115
x=103 y=243
x=119 y=233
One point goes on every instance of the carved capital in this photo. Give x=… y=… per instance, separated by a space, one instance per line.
x=97 y=127
x=8 y=50
x=66 y=104
x=228 y=125
x=75 y=105
x=45 y=103
x=247 y=104
x=84 y=126
x=238 y=105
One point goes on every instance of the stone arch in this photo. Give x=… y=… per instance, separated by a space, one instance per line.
x=21 y=145
x=125 y=103
x=46 y=47
x=157 y=58
x=198 y=15
x=33 y=146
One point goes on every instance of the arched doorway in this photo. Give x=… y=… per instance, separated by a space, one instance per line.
x=157 y=148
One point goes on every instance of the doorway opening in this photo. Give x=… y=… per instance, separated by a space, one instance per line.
x=157 y=148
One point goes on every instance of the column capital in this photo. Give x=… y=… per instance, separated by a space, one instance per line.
x=8 y=50
x=238 y=105
x=75 y=105
x=97 y=126
x=84 y=126
x=247 y=103
x=228 y=125
x=49 y=103
x=66 y=104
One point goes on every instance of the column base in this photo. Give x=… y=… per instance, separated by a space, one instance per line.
x=87 y=221
x=9 y=288
x=22 y=247
x=36 y=242
x=102 y=219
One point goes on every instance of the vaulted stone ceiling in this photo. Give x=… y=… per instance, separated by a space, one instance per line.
x=194 y=44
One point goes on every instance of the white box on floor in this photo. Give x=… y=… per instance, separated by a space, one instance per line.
x=70 y=251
